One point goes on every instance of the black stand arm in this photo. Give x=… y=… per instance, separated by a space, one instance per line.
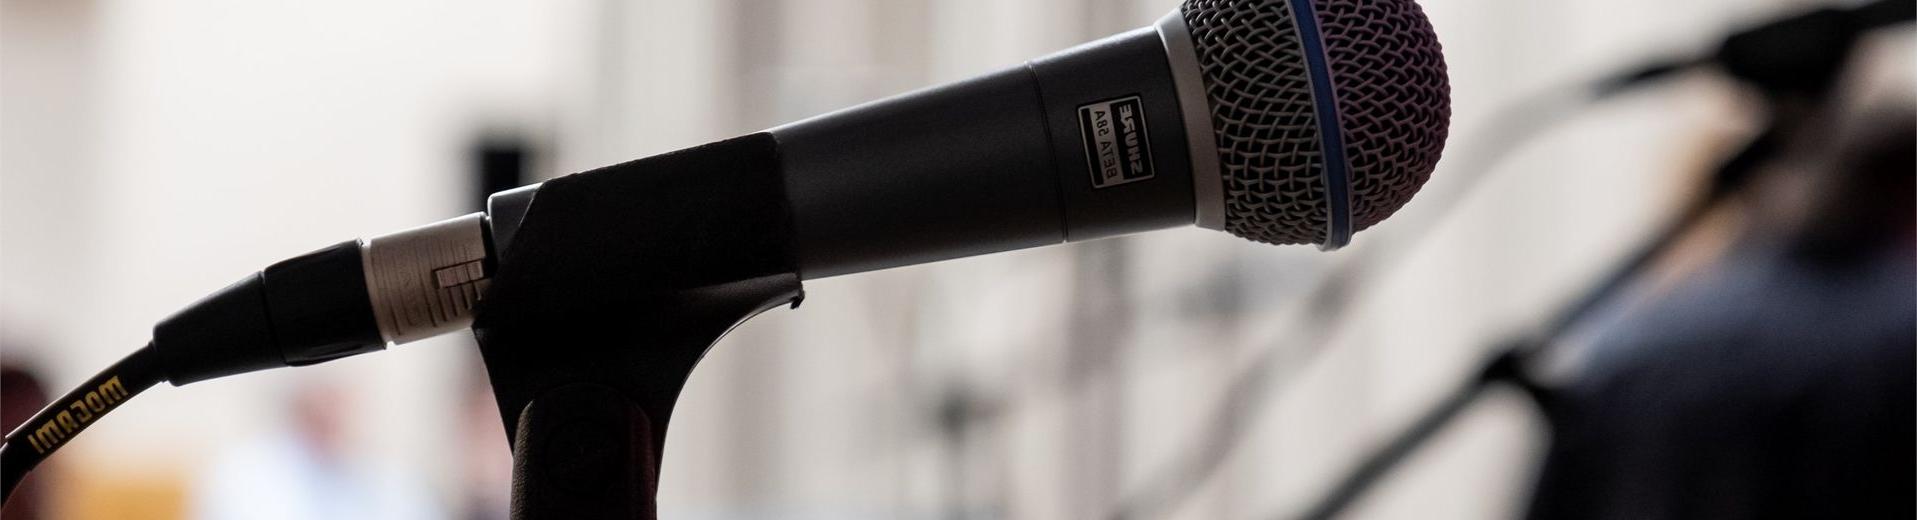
x=614 y=285
x=1507 y=367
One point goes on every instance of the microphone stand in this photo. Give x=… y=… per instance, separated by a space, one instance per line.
x=605 y=297
x=603 y=302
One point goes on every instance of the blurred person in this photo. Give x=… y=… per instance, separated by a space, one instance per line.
x=22 y=394
x=1776 y=382
x=305 y=471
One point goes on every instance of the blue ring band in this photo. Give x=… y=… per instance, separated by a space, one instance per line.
x=1330 y=134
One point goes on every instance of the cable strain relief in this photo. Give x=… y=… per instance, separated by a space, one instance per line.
x=225 y=333
x=304 y=310
x=319 y=307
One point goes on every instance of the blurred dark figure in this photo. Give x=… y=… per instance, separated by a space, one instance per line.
x=1778 y=381
x=21 y=394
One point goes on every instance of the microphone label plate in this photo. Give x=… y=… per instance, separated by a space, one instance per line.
x=1117 y=144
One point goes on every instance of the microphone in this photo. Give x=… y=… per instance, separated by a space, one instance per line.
x=1279 y=121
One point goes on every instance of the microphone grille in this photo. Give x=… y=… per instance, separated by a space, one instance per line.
x=1390 y=97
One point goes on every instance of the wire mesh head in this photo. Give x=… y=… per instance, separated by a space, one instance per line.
x=1389 y=93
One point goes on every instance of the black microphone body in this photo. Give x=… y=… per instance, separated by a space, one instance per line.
x=1280 y=121
x=1087 y=143
x=1006 y=161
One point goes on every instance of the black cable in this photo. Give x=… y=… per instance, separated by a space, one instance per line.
x=56 y=425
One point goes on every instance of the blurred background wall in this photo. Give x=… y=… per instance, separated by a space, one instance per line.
x=155 y=151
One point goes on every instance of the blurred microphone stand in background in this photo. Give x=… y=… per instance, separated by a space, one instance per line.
x=1793 y=64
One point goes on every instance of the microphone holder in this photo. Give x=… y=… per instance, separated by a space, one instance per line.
x=604 y=300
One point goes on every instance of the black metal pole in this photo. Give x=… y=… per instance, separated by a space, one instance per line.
x=588 y=437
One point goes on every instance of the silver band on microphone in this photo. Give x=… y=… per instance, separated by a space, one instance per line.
x=1188 y=79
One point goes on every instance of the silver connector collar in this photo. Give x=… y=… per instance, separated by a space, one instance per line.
x=426 y=280
x=1208 y=189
